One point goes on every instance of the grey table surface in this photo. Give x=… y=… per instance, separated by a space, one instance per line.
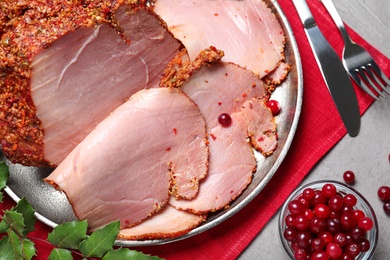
x=367 y=155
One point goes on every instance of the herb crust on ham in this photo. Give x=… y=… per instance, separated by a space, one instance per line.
x=56 y=85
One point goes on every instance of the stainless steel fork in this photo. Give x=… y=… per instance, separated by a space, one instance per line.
x=358 y=62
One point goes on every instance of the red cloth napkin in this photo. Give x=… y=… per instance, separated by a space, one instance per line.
x=320 y=128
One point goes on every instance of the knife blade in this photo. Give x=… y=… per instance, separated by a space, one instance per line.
x=336 y=78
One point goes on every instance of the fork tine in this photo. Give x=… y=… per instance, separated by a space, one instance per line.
x=378 y=71
x=373 y=76
x=367 y=79
x=361 y=84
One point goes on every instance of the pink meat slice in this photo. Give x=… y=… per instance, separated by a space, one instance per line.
x=167 y=223
x=80 y=78
x=227 y=88
x=247 y=31
x=126 y=167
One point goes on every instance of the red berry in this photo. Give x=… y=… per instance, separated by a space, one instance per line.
x=386 y=207
x=317 y=225
x=384 y=193
x=353 y=249
x=290 y=234
x=300 y=254
x=225 y=120
x=301 y=222
x=326 y=236
x=319 y=255
x=322 y=211
x=350 y=200
x=336 y=203
x=358 y=214
x=333 y=250
x=329 y=190
x=347 y=221
x=340 y=239
x=296 y=208
x=364 y=245
x=308 y=193
x=317 y=244
x=365 y=223
x=349 y=177
x=274 y=106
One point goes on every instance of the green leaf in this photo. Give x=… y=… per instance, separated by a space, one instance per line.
x=69 y=234
x=101 y=241
x=6 y=249
x=4 y=174
x=14 y=241
x=3 y=226
x=1 y=196
x=60 y=254
x=27 y=212
x=28 y=249
x=126 y=253
x=14 y=220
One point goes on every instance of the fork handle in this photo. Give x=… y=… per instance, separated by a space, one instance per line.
x=329 y=5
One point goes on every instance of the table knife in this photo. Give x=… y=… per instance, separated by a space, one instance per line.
x=336 y=78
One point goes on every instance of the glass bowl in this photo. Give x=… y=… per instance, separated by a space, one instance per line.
x=362 y=204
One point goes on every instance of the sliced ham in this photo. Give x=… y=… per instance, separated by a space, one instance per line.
x=228 y=88
x=127 y=166
x=167 y=223
x=247 y=31
x=76 y=76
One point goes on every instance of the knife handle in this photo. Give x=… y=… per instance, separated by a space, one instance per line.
x=304 y=13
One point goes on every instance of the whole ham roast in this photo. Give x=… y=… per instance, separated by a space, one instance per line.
x=123 y=99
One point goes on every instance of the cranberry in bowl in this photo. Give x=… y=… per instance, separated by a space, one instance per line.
x=327 y=220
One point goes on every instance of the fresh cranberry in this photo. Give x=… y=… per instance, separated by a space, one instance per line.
x=357 y=233
x=317 y=225
x=319 y=198
x=350 y=200
x=386 y=207
x=326 y=236
x=301 y=222
x=329 y=190
x=322 y=211
x=358 y=214
x=333 y=225
x=319 y=255
x=274 y=106
x=309 y=214
x=290 y=234
x=347 y=221
x=365 y=223
x=333 y=250
x=317 y=244
x=225 y=120
x=296 y=208
x=340 y=239
x=353 y=249
x=349 y=177
x=308 y=193
x=384 y=193
x=289 y=220
x=336 y=203
x=364 y=245
x=300 y=254
x=303 y=239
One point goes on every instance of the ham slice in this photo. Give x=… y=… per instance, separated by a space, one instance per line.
x=167 y=223
x=127 y=166
x=78 y=72
x=227 y=88
x=247 y=31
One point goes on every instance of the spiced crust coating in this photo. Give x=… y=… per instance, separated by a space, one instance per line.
x=26 y=28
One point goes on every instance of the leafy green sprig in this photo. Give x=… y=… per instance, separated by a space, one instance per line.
x=67 y=238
